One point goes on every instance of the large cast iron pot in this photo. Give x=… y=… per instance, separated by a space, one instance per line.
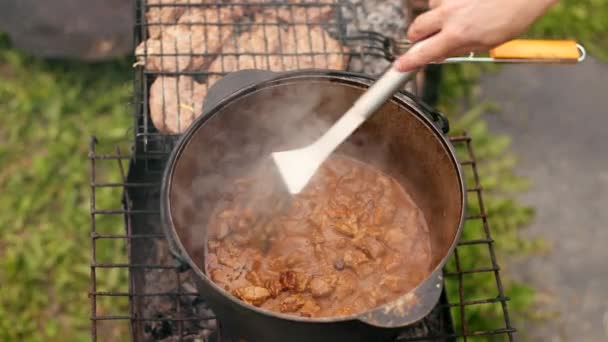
x=250 y=114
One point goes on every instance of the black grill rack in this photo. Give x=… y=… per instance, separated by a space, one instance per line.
x=355 y=45
x=158 y=301
x=155 y=299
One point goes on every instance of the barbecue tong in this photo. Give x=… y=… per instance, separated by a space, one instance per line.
x=297 y=166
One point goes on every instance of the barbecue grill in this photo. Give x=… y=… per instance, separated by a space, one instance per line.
x=159 y=301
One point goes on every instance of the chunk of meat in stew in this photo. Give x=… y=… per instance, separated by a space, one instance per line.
x=372 y=248
x=253 y=294
x=292 y=303
x=354 y=258
x=323 y=286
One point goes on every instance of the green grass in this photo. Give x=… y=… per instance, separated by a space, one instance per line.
x=47 y=112
x=49 y=109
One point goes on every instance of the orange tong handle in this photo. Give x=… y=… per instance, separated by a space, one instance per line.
x=537 y=49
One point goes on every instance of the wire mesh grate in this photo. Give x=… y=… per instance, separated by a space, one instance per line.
x=158 y=301
x=185 y=46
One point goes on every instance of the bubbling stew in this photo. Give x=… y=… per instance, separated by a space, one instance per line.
x=351 y=241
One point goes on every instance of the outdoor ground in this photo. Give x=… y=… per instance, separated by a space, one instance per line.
x=557 y=119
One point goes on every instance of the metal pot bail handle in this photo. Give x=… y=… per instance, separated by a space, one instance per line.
x=440 y=120
x=372 y=43
x=233 y=82
x=436 y=116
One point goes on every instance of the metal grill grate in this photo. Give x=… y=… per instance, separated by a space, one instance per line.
x=159 y=302
x=154 y=298
x=184 y=46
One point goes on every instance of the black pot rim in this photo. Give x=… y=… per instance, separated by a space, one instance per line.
x=402 y=98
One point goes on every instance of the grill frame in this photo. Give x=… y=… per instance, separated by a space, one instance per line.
x=131 y=185
x=139 y=172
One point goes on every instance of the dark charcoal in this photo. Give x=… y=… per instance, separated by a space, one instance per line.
x=199 y=323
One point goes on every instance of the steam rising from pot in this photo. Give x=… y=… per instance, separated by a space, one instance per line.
x=239 y=141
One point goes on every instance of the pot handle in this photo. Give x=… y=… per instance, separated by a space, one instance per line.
x=436 y=116
x=233 y=82
x=409 y=308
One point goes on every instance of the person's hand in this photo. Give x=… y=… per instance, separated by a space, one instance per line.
x=455 y=27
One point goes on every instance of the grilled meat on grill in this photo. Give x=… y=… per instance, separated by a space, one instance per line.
x=175 y=102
